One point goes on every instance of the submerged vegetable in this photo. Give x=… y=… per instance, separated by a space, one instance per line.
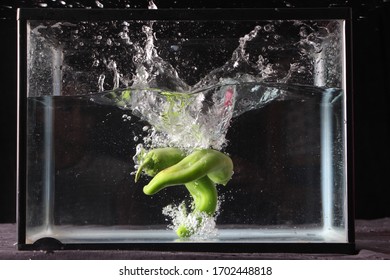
x=205 y=195
x=158 y=159
x=199 y=172
x=216 y=165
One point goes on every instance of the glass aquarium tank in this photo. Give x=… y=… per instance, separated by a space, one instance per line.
x=207 y=130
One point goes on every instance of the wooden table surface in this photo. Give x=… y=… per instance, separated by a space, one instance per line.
x=372 y=243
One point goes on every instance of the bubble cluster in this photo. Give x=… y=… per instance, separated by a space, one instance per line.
x=203 y=225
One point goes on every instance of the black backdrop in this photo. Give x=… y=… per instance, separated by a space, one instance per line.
x=371 y=64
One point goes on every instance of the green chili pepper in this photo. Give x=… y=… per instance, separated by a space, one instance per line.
x=158 y=159
x=216 y=165
x=199 y=172
x=205 y=195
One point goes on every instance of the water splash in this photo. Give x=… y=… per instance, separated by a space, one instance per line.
x=238 y=68
x=152 y=70
x=196 y=116
x=199 y=116
x=136 y=70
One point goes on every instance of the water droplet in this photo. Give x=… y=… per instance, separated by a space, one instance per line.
x=126 y=117
x=175 y=48
x=152 y=6
x=100 y=5
x=101 y=82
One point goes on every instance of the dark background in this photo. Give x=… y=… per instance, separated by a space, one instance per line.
x=371 y=74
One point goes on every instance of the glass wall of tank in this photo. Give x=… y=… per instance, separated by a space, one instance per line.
x=268 y=93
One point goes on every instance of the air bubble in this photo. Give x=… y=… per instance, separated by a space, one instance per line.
x=96 y=63
x=268 y=27
x=179 y=215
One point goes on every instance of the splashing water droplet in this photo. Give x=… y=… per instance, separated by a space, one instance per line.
x=116 y=76
x=99 y=4
x=152 y=5
x=101 y=82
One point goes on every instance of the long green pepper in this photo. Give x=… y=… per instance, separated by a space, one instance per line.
x=158 y=159
x=199 y=172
